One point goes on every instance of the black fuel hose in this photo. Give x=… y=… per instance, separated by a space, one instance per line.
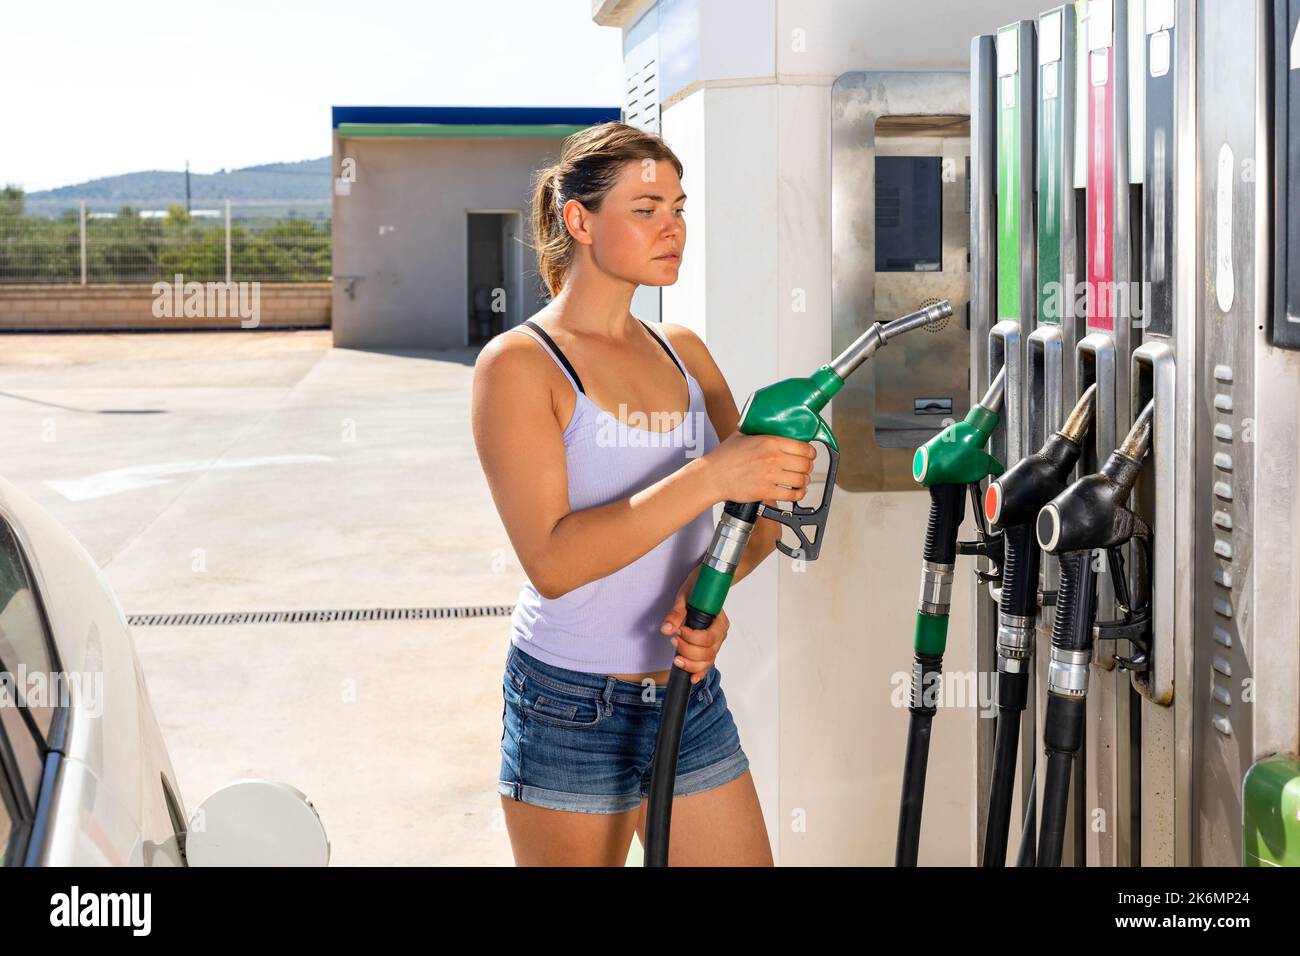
x=672 y=718
x=1063 y=722
x=947 y=508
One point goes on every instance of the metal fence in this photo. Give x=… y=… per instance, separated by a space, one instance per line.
x=229 y=243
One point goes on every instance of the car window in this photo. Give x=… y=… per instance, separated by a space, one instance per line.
x=24 y=645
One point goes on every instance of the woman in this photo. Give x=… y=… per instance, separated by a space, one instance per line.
x=610 y=520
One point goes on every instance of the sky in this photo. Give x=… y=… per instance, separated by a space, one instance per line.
x=94 y=88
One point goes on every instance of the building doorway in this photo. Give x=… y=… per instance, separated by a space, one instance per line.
x=494 y=263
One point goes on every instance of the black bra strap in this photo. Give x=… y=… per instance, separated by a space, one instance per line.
x=666 y=349
x=565 y=361
x=558 y=354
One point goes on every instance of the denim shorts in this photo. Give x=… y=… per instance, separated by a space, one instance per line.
x=577 y=741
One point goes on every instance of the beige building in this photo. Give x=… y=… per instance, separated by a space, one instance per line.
x=431 y=232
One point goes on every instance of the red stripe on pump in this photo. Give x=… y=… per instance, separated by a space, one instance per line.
x=1101 y=195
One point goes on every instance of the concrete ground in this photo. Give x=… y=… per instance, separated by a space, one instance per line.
x=238 y=471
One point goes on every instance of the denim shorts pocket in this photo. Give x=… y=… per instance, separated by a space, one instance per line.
x=515 y=676
x=705 y=693
x=560 y=708
x=702 y=694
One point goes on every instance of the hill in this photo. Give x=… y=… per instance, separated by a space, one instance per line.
x=268 y=189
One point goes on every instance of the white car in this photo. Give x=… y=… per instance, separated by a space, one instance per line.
x=85 y=779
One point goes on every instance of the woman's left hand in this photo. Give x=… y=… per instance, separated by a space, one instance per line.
x=695 y=649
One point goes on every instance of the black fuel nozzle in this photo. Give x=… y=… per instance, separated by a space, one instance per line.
x=1016 y=497
x=1092 y=513
x=1011 y=504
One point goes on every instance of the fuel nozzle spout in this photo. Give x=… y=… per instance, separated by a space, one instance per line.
x=1137 y=442
x=868 y=342
x=1016 y=497
x=1091 y=513
x=997 y=390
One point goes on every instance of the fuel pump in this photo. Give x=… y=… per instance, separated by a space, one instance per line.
x=1011 y=505
x=1247 y=554
x=1016 y=294
x=1102 y=357
x=1173 y=668
x=1049 y=362
x=949 y=465
x=788 y=408
x=1160 y=372
x=1270 y=815
x=1091 y=514
x=983 y=316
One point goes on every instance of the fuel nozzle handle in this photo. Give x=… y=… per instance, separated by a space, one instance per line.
x=1092 y=512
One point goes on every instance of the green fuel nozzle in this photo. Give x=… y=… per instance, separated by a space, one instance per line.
x=949 y=464
x=790 y=408
x=956 y=455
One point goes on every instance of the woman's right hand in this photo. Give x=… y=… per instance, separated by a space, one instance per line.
x=761 y=468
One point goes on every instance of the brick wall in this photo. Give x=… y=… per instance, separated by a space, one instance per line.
x=47 y=307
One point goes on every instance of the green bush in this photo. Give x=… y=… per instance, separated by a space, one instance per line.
x=129 y=249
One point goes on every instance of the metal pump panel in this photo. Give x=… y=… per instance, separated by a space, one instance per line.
x=1162 y=369
x=899 y=231
x=1102 y=357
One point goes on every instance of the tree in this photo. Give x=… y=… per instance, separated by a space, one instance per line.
x=12 y=201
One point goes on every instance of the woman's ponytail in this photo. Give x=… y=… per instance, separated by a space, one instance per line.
x=551 y=237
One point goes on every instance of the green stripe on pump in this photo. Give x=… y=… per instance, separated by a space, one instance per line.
x=1051 y=114
x=1008 y=93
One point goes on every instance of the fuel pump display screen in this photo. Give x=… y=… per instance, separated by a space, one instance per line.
x=909 y=214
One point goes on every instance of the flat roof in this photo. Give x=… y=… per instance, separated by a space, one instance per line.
x=468 y=121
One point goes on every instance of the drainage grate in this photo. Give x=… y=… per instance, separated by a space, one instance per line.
x=312 y=617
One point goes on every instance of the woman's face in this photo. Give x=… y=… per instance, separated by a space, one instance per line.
x=640 y=231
